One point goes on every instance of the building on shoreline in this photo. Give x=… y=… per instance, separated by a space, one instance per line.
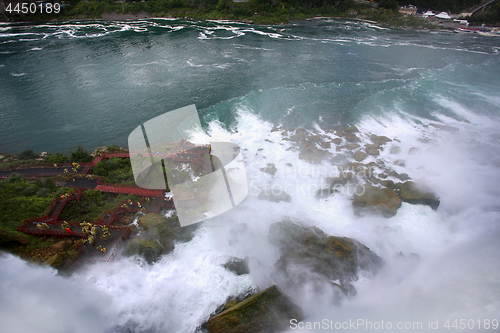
x=408 y=10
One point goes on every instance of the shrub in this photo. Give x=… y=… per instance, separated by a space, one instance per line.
x=80 y=155
x=388 y=4
x=44 y=192
x=27 y=155
x=55 y=158
x=14 y=178
x=29 y=191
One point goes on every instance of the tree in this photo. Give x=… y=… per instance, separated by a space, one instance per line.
x=27 y=155
x=388 y=4
x=80 y=155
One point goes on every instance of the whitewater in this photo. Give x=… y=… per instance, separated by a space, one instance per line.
x=93 y=82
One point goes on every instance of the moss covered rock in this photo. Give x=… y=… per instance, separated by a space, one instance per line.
x=415 y=194
x=265 y=312
x=359 y=156
x=55 y=261
x=149 y=249
x=238 y=266
x=310 y=251
x=379 y=140
x=158 y=236
x=377 y=201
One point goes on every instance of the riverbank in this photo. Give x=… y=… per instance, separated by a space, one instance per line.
x=241 y=12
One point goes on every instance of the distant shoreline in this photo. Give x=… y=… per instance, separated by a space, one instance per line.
x=425 y=24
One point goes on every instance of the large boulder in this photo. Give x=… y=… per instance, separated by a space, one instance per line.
x=149 y=249
x=309 y=152
x=308 y=251
x=395 y=150
x=379 y=140
x=56 y=260
x=377 y=201
x=416 y=194
x=265 y=312
x=274 y=195
x=359 y=156
x=238 y=266
x=270 y=169
x=62 y=245
x=158 y=236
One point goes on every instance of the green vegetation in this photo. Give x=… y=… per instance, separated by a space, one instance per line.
x=55 y=158
x=490 y=15
x=115 y=170
x=267 y=11
x=259 y=11
x=21 y=200
x=388 y=4
x=27 y=155
x=394 y=19
x=80 y=155
x=92 y=204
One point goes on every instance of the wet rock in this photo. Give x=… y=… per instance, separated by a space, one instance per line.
x=307 y=251
x=62 y=245
x=372 y=146
x=299 y=135
x=270 y=169
x=400 y=176
x=55 y=261
x=359 y=156
x=401 y=163
x=158 y=236
x=351 y=137
x=324 y=144
x=414 y=151
x=376 y=201
x=387 y=183
x=344 y=177
x=379 y=140
x=412 y=193
x=395 y=150
x=312 y=154
x=274 y=195
x=337 y=141
x=351 y=146
x=265 y=312
x=238 y=266
x=352 y=129
x=355 y=166
x=150 y=249
x=372 y=151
